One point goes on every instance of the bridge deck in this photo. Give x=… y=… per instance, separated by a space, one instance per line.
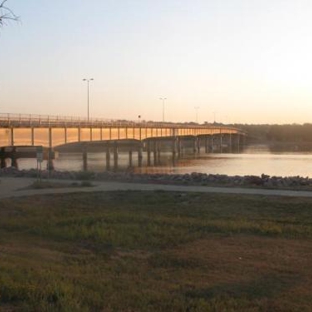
x=52 y=131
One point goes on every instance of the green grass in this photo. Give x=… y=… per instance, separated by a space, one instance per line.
x=155 y=251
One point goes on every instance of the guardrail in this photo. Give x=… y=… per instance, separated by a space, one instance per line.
x=33 y=120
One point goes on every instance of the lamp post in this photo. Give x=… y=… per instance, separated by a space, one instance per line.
x=196 y=109
x=163 y=102
x=88 y=95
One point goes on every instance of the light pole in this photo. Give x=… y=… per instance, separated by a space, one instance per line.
x=88 y=94
x=196 y=109
x=163 y=102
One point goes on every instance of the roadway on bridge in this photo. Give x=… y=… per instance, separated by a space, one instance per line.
x=15 y=187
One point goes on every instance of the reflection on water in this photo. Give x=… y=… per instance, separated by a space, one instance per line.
x=251 y=162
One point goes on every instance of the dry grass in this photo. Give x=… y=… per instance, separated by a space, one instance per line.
x=155 y=251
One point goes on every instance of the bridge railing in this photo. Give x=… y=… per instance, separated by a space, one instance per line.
x=35 y=120
x=49 y=119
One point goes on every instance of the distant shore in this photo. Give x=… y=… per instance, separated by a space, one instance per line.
x=195 y=178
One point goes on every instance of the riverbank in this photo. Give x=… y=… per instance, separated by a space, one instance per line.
x=195 y=179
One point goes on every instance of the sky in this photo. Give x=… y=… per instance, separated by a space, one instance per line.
x=238 y=61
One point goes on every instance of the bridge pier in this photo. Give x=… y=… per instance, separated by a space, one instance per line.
x=230 y=143
x=198 y=145
x=179 y=146
x=221 y=143
x=50 y=163
x=207 y=144
x=65 y=135
x=130 y=158
x=174 y=148
x=14 y=159
x=155 y=145
x=107 y=156
x=3 y=162
x=85 y=158
x=115 y=155
x=148 y=152
x=12 y=136
x=32 y=136
x=212 y=144
x=158 y=151
x=79 y=134
x=140 y=156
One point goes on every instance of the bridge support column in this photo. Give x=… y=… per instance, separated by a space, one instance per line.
x=179 y=146
x=2 y=158
x=3 y=162
x=158 y=151
x=174 y=148
x=221 y=143
x=13 y=159
x=206 y=144
x=32 y=136
x=195 y=145
x=50 y=164
x=65 y=134
x=85 y=158
x=198 y=145
x=12 y=136
x=230 y=143
x=115 y=155
x=148 y=152
x=155 y=152
x=50 y=137
x=130 y=158
x=107 y=156
x=212 y=143
x=79 y=134
x=140 y=156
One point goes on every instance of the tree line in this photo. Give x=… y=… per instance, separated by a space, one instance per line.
x=282 y=133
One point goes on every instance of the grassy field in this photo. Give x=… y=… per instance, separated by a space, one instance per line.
x=155 y=251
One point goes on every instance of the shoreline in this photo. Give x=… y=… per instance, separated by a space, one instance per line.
x=193 y=179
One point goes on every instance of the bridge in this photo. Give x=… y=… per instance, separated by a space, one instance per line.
x=18 y=131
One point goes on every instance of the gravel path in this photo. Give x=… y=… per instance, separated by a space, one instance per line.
x=15 y=187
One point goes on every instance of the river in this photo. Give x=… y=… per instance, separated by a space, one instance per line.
x=253 y=161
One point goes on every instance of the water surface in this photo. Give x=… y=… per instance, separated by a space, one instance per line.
x=247 y=163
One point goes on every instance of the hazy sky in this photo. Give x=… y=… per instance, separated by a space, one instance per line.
x=246 y=60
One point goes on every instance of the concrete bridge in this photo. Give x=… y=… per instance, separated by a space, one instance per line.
x=19 y=131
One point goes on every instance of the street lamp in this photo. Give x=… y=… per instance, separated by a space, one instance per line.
x=163 y=102
x=196 y=109
x=88 y=94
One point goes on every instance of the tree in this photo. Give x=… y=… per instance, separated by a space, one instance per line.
x=6 y=14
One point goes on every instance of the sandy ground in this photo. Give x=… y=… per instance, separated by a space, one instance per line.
x=15 y=187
